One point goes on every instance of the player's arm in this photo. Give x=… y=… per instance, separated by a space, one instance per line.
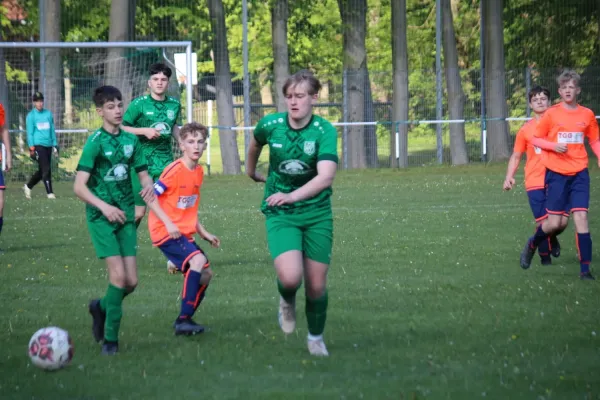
x=513 y=166
x=6 y=141
x=113 y=214
x=153 y=205
x=593 y=135
x=254 y=150
x=206 y=235
x=539 y=138
x=129 y=120
x=326 y=170
x=53 y=134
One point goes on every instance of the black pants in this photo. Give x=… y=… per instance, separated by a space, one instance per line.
x=44 y=173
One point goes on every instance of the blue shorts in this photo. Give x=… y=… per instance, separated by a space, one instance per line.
x=2 y=186
x=180 y=252
x=537 y=202
x=566 y=193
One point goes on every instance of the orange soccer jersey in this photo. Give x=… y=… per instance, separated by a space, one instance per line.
x=571 y=127
x=535 y=171
x=178 y=193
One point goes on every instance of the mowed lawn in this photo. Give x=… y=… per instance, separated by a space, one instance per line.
x=427 y=300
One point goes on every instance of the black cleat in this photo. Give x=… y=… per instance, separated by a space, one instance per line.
x=187 y=327
x=546 y=261
x=586 y=276
x=555 y=247
x=110 y=348
x=98 y=317
x=527 y=255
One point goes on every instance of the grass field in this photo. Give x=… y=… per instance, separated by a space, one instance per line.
x=427 y=300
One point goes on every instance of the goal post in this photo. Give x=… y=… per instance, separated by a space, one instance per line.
x=67 y=74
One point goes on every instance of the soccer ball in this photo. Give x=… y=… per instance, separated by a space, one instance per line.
x=51 y=348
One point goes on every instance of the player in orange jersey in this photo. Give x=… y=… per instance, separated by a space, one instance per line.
x=178 y=193
x=561 y=135
x=6 y=140
x=535 y=172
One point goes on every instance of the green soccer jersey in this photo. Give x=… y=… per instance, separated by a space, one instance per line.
x=110 y=160
x=293 y=157
x=145 y=112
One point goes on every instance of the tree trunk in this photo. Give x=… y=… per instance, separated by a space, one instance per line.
x=229 y=148
x=54 y=77
x=117 y=69
x=497 y=130
x=400 y=85
x=354 y=24
x=281 y=62
x=456 y=96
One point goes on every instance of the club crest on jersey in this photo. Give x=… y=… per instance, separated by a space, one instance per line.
x=309 y=148
x=171 y=114
x=128 y=150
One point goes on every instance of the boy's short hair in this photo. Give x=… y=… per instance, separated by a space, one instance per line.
x=314 y=86
x=538 y=90
x=193 y=128
x=568 y=75
x=158 y=68
x=104 y=94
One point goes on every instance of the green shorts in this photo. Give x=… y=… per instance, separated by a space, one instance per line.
x=113 y=239
x=309 y=232
x=137 y=188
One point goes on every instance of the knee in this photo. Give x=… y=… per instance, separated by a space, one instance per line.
x=198 y=262
x=118 y=280
x=290 y=281
x=315 y=290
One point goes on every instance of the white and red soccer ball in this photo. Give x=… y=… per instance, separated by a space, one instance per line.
x=51 y=348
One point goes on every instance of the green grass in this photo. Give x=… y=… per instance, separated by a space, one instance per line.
x=427 y=300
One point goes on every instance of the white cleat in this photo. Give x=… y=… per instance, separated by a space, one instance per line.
x=287 y=315
x=317 y=348
x=171 y=268
x=27 y=192
x=51 y=196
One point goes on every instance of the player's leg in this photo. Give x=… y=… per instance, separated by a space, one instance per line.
x=556 y=202
x=580 y=199
x=554 y=243
x=317 y=244
x=197 y=277
x=537 y=202
x=45 y=160
x=35 y=178
x=284 y=238
x=127 y=238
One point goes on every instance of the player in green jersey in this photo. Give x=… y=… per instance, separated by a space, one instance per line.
x=110 y=156
x=297 y=205
x=153 y=118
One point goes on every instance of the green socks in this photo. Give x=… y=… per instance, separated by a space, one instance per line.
x=111 y=304
x=288 y=294
x=316 y=314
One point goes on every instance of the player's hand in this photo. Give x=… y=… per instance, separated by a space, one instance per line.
x=173 y=230
x=33 y=154
x=151 y=133
x=256 y=177
x=560 y=148
x=9 y=164
x=147 y=194
x=212 y=239
x=113 y=214
x=279 y=199
x=55 y=150
x=508 y=183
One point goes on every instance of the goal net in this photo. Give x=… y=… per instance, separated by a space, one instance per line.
x=67 y=75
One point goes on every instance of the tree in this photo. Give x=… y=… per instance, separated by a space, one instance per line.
x=229 y=148
x=53 y=98
x=495 y=99
x=400 y=84
x=456 y=97
x=281 y=62
x=117 y=68
x=354 y=28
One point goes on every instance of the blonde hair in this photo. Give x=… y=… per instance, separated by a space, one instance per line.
x=300 y=77
x=568 y=75
x=193 y=128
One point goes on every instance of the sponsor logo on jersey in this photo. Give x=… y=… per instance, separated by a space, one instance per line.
x=108 y=153
x=163 y=128
x=309 y=148
x=277 y=145
x=294 y=167
x=128 y=150
x=186 y=201
x=118 y=172
x=570 y=137
x=171 y=114
x=43 y=125
x=149 y=112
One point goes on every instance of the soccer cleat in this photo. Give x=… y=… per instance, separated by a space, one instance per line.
x=187 y=327
x=98 y=318
x=586 y=276
x=287 y=315
x=51 y=196
x=555 y=247
x=171 y=268
x=546 y=261
x=317 y=348
x=27 y=192
x=527 y=255
x=110 y=348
